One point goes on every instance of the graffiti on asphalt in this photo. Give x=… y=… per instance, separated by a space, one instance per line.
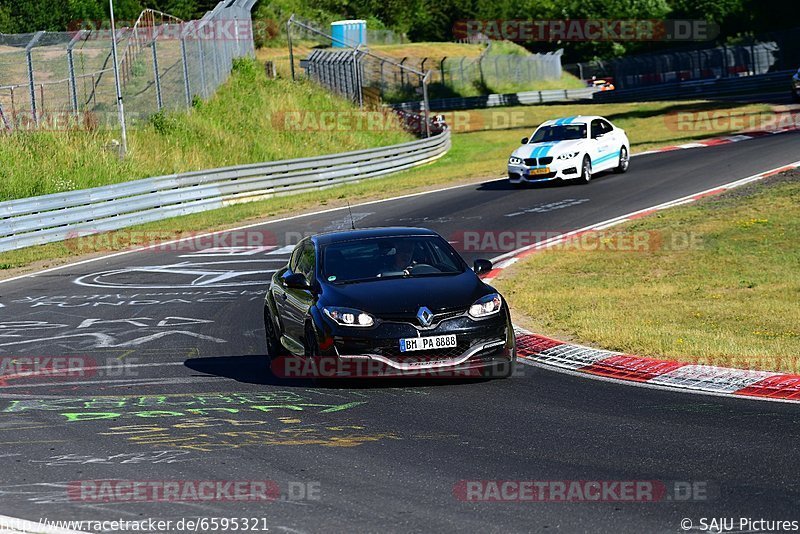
x=155 y=298
x=228 y=273
x=96 y=332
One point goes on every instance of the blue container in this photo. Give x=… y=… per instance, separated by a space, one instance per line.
x=349 y=33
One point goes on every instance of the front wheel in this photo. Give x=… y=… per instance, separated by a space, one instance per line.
x=274 y=347
x=624 y=161
x=586 y=172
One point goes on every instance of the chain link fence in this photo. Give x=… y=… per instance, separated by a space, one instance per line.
x=367 y=78
x=58 y=80
x=771 y=52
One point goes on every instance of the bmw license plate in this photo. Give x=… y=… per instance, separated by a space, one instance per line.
x=542 y=170
x=427 y=343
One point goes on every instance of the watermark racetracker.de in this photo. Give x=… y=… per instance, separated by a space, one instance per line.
x=615 y=30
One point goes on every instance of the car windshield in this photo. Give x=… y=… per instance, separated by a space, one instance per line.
x=563 y=132
x=389 y=257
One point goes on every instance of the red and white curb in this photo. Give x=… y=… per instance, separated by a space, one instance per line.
x=716 y=141
x=663 y=374
x=637 y=370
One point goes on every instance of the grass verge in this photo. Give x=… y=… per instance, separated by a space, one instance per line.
x=236 y=126
x=717 y=282
x=479 y=151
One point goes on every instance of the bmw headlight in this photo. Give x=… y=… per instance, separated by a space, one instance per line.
x=514 y=161
x=486 y=306
x=568 y=155
x=349 y=317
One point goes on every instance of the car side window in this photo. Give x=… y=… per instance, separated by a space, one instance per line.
x=295 y=258
x=606 y=126
x=597 y=128
x=306 y=262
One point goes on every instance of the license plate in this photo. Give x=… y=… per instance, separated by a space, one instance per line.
x=544 y=170
x=427 y=343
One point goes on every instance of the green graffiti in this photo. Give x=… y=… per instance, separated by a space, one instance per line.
x=90 y=416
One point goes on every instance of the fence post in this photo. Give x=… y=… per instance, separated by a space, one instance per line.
x=202 y=62
x=4 y=118
x=157 y=78
x=441 y=69
x=71 y=64
x=31 y=82
x=427 y=104
x=186 y=84
x=357 y=90
x=289 y=38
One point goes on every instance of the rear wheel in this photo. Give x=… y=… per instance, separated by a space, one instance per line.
x=586 y=170
x=624 y=161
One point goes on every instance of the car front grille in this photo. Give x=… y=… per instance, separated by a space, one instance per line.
x=533 y=162
x=438 y=316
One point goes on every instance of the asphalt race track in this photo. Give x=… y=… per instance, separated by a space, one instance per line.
x=181 y=391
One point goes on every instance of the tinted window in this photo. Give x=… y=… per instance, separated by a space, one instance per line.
x=389 y=257
x=564 y=132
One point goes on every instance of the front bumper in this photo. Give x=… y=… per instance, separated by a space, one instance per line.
x=557 y=170
x=376 y=351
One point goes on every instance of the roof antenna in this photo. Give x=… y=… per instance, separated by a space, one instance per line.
x=352 y=221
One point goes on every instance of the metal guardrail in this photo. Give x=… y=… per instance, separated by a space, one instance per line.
x=724 y=87
x=525 y=98
x=60 y=216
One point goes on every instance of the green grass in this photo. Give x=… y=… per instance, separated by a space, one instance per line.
x=243 y=123
x=482 y=142
x=728 y=299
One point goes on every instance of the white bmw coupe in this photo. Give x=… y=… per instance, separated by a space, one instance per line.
x=571 y=148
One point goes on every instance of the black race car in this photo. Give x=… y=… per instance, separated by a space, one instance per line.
x=386 y=301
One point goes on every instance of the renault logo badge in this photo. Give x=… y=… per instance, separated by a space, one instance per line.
x=425 y=316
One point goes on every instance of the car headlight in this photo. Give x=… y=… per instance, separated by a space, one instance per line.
x=514 y=161
x=349 y=316
x=568 y=155
x=486 y=306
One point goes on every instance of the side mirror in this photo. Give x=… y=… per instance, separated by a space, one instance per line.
x=482 y=266
x=524 y=141
x=296 y=281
